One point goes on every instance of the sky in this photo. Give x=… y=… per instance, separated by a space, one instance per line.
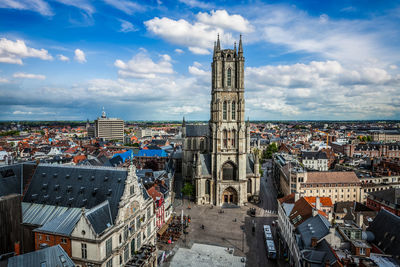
x=150 y=60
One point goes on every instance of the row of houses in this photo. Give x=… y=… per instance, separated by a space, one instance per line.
x=312 y=233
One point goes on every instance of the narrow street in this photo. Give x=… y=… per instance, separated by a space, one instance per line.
x=266 y=214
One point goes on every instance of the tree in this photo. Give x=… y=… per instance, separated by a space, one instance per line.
x=188 y=190
x=271 y=149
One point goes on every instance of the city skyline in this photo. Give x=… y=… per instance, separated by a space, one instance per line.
x=65 y=60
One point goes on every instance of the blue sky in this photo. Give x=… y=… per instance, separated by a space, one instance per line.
x=150 y=60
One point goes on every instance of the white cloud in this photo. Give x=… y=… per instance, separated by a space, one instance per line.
x=39 y=6
x=346 y=40
x=142 y=66
x=81 y=4
x=179 y=51
x=221 y=19
x=200 y=35
x=4 y=80
x=29 y=76
x=13 y=52
x=80 y=56
x=196 y=69
x=322 y=89
x=19 y=112
x=196 y=3
x=125 y=6
x=62 y=57
x=126 y=26
x=185 y=109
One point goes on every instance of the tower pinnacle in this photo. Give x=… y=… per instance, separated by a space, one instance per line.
x=218 y=43
x=240 y=52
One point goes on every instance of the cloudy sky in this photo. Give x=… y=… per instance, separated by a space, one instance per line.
x=150 y=60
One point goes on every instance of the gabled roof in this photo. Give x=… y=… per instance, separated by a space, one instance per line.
x=39 y=214
x=63 y=224
x=100 y=217
x=51 y=256
x=325 y=201
x=73 y=186
x=391 y=195
x=205 y=160
x=249 y=164
x=314 y=155
x=386 y=227
x=317 y=226
x=197 y=130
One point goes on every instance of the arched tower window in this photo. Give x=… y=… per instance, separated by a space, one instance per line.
x=224 y=110
x=229 y=77
x=229 y=171
x=233 y=110
x=225 y=138
x=233 y=138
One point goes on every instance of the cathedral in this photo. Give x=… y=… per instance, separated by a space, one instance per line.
x=216 y=156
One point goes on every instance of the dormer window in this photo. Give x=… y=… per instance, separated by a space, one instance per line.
x=229 y=77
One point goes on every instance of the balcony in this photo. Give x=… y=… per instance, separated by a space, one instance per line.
x=146 y=256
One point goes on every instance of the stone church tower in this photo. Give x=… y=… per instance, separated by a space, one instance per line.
x=222 y=168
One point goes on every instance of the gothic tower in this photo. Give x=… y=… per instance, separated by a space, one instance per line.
x=230 y=134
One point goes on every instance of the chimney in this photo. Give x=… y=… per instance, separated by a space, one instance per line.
x=17 y=248
x=314 y=242
x=359 y=219
x=296 y=197
x=317 y=203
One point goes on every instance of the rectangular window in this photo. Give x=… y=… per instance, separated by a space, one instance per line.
x=126 y=253
x=138 y=222
x=139 y=240
x=84 y=251
x=148 y=213
x=109 y=263
x=148 y=230
x=47 y=238
x=63 y=241
x=133 y=247
x=40 y=237
x=126 y=232
x=109 y=247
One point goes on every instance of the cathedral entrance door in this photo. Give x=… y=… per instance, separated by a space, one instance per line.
x=230 y=196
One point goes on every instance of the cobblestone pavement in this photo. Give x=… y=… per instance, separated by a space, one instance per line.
x=232 y=227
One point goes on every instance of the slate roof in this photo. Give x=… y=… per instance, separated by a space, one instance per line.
x=386 y=227
x=391 y=195
x=100 y=217
x=51 y=256
x=39 y=214
x=250 y=164
x=10 y=179
x=314 y=155
x=205 y=160
x=77 y=187
x=320 y=255
x=63 y=224
x=317 y=226
x=197 y=130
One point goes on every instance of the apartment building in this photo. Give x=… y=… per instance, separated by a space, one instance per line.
x=340 y=186
x=109 y=128
x=317 y=161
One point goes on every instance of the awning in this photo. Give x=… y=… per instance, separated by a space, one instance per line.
x=164 y=227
